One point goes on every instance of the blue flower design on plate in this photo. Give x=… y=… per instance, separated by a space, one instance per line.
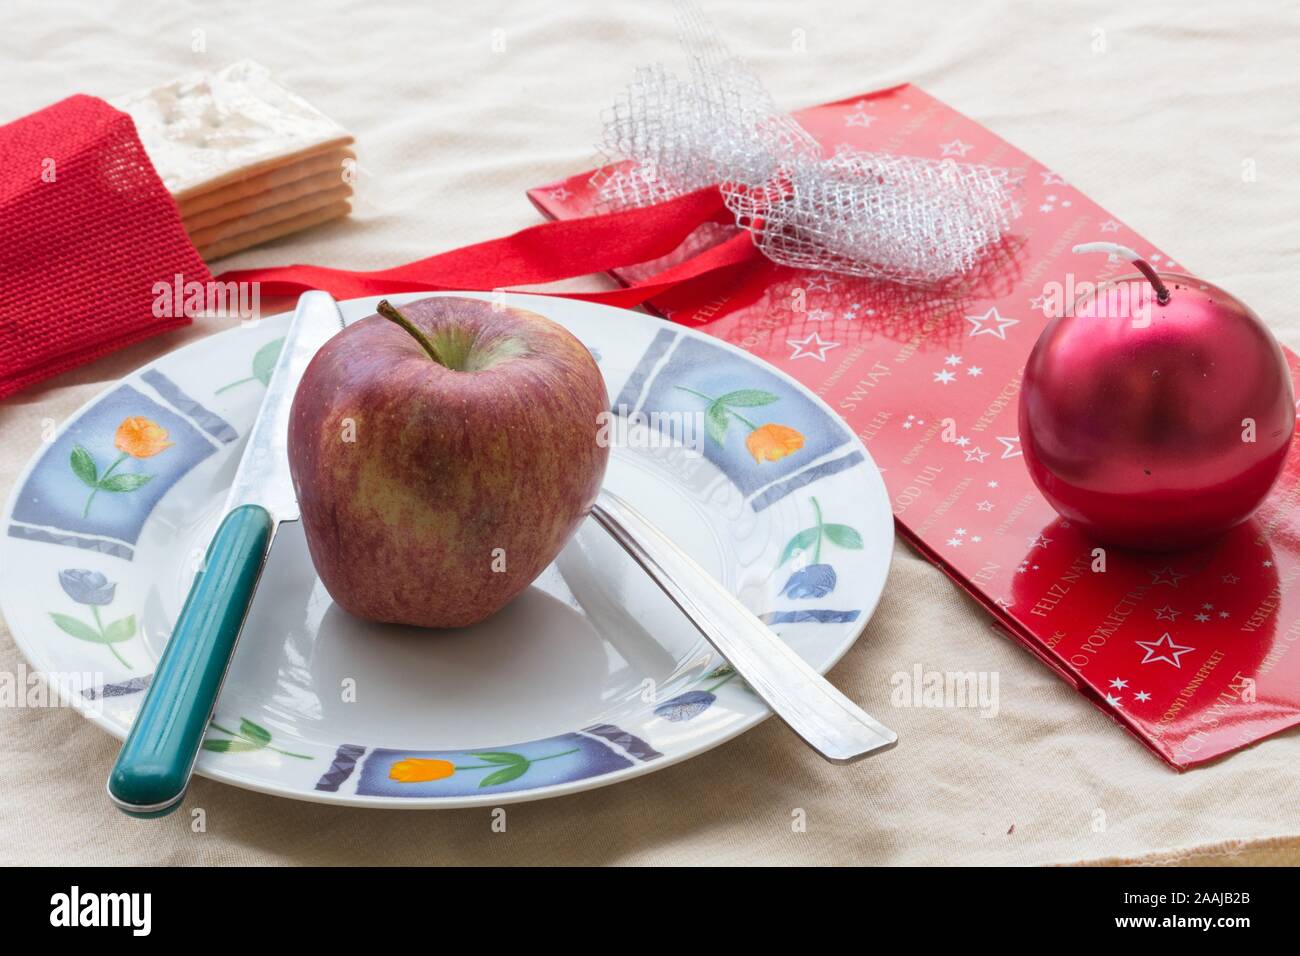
x=685 y=706
x=94 y=590
x=87 y=587
x=814 y=581
x=692 y=703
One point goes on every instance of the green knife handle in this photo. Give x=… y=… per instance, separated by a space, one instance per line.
x=154 y=765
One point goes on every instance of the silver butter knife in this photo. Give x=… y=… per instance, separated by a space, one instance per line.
x=829 y=722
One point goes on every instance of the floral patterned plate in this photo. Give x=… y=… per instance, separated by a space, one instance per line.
x=590 y=677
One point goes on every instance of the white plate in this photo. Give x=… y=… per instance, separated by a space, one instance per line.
x=590 y=677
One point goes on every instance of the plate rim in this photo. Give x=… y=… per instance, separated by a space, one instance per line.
x=707 y=741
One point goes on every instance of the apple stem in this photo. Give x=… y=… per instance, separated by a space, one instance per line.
x=393 y=314
x=1124 y=252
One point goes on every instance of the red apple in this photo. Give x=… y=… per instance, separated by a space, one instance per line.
x=442 y=455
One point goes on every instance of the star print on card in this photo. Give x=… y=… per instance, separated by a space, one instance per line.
x=813 y=347
x=822 y=282
x=990 y=323
x=1010 y=446
x=955 y=148
x=1166 y=613
x=1052 y=202
x=1163 y=650
x=1166 y=575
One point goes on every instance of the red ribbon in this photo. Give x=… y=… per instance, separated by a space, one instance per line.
x=545 y=253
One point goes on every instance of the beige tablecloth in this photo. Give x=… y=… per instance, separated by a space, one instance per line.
x=1154 y=110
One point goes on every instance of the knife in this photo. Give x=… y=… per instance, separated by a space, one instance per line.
x=826 y=720
x=154 y=765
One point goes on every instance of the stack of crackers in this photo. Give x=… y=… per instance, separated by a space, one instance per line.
x=246 y=160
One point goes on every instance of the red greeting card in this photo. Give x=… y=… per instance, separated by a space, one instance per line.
x=1191 y=650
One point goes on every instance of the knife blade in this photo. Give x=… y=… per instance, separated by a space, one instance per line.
x=154 y=765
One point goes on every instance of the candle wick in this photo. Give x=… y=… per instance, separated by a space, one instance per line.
x=1124 y=252
x=1162 y=290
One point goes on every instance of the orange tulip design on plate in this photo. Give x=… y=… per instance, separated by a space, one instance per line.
x=772 y=442
x=769 y=442
x=421 y=770
x=137 y=437
x=505 y=766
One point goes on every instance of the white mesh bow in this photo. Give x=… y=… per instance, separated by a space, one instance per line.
x=899 y=218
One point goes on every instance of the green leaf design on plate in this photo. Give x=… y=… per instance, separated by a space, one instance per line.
x=83 y=466
x=125 y=482
x=500 y=756
x=505 y=774
x=254 y=732
x=78 y=629
x=715 y=423
x=800 y=542
x=843 y=535
x=230 y=746
x=264 y=360
x=748 y=398
x=250 y=736
x=122 y=629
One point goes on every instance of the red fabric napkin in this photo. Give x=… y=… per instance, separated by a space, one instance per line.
x=88 y=230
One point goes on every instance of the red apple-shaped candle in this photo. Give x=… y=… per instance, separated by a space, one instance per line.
x=1158 y=411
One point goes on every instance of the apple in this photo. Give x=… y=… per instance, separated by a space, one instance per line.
x=443 y=453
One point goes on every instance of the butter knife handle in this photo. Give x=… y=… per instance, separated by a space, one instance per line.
x=153 y=768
